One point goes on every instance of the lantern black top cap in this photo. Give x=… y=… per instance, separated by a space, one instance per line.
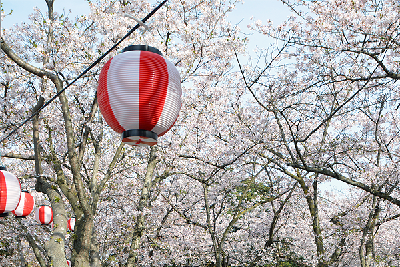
x=141 y=48
x=2 y=168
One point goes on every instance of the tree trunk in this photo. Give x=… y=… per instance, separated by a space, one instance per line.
x=55 y=246
x=36 y=146
x=20 y=251
x=82 y=244
x=33 y=244
x=94 y=251
x=143 y=202
x=366 y=250
x=312 y=201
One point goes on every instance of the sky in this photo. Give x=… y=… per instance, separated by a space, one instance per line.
x=22 y=8
x=259 y=9
x=271 y=9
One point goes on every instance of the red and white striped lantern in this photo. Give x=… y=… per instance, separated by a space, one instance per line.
x=25 y=205
x=44 y=215
x=139 y=94
x=69 y=262
x=71 y=224
x=10 y=191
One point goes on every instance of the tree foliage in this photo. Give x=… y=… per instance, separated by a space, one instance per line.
x=240 y=180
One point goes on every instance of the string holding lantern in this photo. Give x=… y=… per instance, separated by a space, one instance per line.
x=71 y=224
x=10 y=191
x=44 y=214
x=139 y=94
x=25 y=205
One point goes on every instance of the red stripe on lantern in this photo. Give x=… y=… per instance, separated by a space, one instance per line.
x=51 y=212
x=153 y=83
x=42 y=218
x=29 y=203
x=71 y=224
x=104 y=101
x=3 y=192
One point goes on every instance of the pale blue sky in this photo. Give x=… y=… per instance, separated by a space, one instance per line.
x=260 y=9
x=22 y=8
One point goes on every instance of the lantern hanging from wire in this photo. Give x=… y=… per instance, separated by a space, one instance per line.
x=71 y=224
x=44 y=214
x=25 y=205
x=10 y=191
x=139 y=94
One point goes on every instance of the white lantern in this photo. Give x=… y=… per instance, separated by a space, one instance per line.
x=10 y=191
x=139 y=94
x=44 y=215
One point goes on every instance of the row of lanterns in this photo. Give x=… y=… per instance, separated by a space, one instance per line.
x=21 y=203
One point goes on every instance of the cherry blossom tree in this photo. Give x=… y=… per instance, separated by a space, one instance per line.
x=327 y=97
x=76 y=155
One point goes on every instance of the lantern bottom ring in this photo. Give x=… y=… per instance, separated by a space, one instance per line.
x=138 y=137
x=4 y=214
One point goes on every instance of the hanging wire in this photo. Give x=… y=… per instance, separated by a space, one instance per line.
x=86 y=70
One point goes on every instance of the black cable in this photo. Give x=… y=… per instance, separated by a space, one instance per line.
x=86 y=70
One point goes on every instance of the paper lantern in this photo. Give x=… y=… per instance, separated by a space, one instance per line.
x=10 y=191
x=69 y=262
x=25 y=205
x=139 y=94
x=44 y=215
x=71 y=224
